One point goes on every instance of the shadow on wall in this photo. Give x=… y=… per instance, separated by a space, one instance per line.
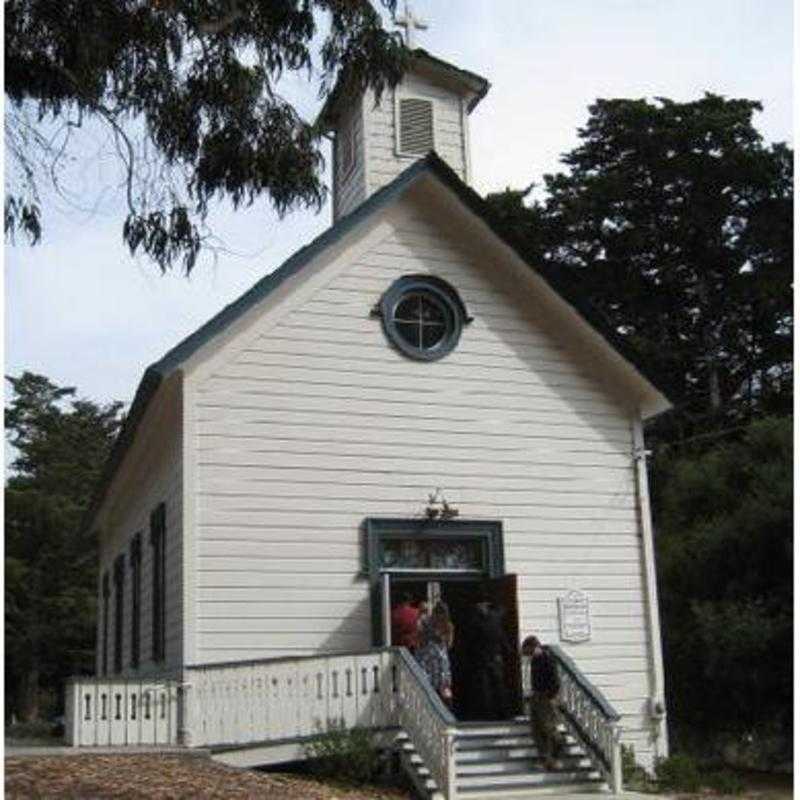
x=353 y=631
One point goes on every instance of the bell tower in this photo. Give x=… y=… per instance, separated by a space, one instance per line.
x=428 y=110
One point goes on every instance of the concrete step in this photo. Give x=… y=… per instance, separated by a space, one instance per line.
x=519 y=765
x=468 y=743
x=512 y=727
x=528 y=779
x=567 y=790
x=503 y=752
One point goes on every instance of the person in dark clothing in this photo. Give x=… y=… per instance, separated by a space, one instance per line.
x=545 y=686
x=485 y=645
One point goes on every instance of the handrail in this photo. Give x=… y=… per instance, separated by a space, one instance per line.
x=435 y=702
x=287 y=659
x=428 y=722
x=588 y=713
x=595 y=695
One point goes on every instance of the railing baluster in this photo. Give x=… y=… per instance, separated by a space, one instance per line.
x=588 y=711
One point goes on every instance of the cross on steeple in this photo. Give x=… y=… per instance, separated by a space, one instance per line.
x=409 y=21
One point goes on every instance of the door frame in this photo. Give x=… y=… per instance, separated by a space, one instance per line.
x=378 y=529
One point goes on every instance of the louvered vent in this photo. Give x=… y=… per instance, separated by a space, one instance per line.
x=416 y=126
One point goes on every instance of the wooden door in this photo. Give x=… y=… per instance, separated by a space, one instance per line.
x=503 y=594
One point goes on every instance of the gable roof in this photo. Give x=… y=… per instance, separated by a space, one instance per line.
x=563 y=283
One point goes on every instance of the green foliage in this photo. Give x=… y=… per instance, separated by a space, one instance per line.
x=189 y=94
x=62 y=444
x=724 y=557
x=678 y=773
x=634 y=775
x=676 y=221
x=346 y=755
x=724 y=782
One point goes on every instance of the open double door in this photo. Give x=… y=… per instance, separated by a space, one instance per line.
x=461 y=597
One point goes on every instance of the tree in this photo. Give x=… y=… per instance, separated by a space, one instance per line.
x=676 y=221
x=188 y=92
x=62 y=444
x=724 y=555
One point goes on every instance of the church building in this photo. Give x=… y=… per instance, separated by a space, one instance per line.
x=407 y=405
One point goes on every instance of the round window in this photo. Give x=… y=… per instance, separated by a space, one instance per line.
x=422 y=316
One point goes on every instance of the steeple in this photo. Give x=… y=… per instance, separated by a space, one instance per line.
x=428 y=110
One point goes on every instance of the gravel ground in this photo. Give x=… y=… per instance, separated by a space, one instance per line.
x=167 y=777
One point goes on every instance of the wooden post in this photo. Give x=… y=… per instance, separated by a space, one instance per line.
x=616 y=763
x=185 y=714
x=73 y=712
x=451 y=765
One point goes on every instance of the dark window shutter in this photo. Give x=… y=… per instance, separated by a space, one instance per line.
x=158 y=541
x=119 y=600
x=136 y=598
x=104 y=645
x=416 y=126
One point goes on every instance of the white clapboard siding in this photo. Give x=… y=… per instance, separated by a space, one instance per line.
x=156 y=475
x=384 y=163
x=350 y=186
x=313 y=423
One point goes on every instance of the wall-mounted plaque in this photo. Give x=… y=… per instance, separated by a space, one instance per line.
x=573 y=617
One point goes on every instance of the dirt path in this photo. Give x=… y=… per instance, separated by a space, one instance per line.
x=167 y=777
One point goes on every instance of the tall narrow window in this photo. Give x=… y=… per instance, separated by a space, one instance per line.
x=157 y=540
x=119 y=602
x=104 y=632
x=136 y=597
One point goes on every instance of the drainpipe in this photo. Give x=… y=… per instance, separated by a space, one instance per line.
x=656 y=704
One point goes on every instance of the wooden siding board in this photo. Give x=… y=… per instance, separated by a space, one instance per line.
x=157 y=477
x=319 y=423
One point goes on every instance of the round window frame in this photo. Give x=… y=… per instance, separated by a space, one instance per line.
x=442 y=294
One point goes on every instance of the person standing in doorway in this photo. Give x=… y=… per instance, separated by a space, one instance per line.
x=545 y=686
x=486 y=647
x=435 y=640
x=405 y=623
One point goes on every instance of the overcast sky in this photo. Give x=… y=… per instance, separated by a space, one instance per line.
x=80 y=310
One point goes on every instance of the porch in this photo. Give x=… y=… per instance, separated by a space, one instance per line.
x=262 y=712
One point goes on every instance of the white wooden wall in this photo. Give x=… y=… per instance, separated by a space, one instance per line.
x=450 y=136
x=377 y=160
x=151 y=474
x=310 y=425
x=349 y=187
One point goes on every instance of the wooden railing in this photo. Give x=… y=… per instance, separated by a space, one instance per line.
x=287 y=698
x=121 y=712
x=269 y=701
x=428 y=722
x=587 y=712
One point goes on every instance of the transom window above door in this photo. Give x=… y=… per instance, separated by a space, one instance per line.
x=441 y=554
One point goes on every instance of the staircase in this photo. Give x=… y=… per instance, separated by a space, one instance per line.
x=500 y=760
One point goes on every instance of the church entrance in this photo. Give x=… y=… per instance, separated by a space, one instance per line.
x=461 y=562
x=473 y=699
